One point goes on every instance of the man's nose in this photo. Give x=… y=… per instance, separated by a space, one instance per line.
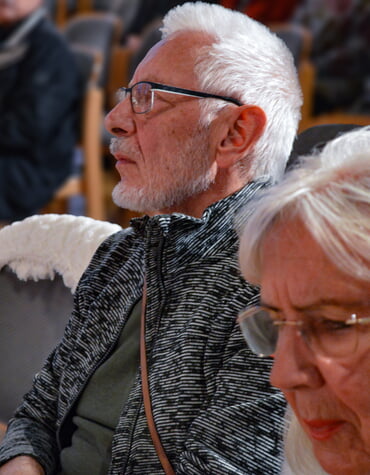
x=119 y=121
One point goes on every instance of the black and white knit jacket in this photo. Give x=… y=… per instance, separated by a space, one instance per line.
x=213 y=406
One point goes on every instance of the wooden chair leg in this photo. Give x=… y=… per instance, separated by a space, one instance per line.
x=2 y=430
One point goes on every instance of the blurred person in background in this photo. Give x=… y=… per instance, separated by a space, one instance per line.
x=307 y=244
x=39 y=94
x=265 y=11
x=148 y=15
x=340 y=53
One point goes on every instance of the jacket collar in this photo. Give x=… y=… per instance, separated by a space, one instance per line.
x=225 y=209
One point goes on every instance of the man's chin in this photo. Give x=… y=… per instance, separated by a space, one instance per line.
x=156 y=198
x=132 y=199
x=124 y=198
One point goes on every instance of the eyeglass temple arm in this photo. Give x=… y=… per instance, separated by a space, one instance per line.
x=189 y=92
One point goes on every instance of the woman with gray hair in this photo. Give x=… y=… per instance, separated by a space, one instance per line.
x=307 y=244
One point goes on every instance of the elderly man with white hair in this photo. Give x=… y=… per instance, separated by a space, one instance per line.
x=208 y=118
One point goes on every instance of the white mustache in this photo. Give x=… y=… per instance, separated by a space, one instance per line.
x=121 y=146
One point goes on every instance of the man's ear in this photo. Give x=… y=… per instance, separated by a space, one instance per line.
x=244 y=126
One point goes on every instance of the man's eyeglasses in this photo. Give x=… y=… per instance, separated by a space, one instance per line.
x=142 y=95
x=323 y=335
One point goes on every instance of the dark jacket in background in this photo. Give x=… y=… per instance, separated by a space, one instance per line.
x=39 y=93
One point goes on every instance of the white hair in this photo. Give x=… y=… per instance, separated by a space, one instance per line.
x=330 y=193
x=298 y=449
x=250 y=63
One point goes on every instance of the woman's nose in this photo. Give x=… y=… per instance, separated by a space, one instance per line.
x=295 y=364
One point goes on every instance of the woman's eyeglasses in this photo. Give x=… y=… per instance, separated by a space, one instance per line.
x=324 y=335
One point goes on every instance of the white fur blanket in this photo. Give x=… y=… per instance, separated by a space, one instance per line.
x=42 y=245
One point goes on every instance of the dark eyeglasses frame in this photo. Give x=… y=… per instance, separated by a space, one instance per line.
x=173 y=90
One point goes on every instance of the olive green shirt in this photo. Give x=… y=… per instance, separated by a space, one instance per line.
x=101 y=403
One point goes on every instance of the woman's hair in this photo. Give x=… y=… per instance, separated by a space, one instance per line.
x=250 y=63
x=330 y=193
x=298 y=449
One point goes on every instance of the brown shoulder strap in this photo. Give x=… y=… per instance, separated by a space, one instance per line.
x=146 y=395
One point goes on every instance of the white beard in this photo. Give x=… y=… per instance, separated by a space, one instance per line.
x=144 y=200
x=191 y=177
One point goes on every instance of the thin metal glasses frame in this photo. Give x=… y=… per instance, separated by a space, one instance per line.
x=264 y=344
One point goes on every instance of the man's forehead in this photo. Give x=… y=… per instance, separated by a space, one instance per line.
x=154 y=50
x=172 y=59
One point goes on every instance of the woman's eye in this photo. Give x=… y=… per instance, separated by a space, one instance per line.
x=328 y=325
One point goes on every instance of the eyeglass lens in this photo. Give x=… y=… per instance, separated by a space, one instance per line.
x=260 y=333
x=141 y=97
x=330 y=337
x=322 y=335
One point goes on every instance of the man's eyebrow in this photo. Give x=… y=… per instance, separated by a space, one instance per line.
x=152 y=79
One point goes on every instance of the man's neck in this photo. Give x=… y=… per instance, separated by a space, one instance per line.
x=197 y=204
